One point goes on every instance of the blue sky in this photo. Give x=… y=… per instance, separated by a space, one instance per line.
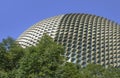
x=18 y=15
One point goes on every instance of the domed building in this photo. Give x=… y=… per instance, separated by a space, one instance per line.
x=86 y=38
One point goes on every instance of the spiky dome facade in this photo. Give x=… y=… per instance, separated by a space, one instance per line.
x=86 y=38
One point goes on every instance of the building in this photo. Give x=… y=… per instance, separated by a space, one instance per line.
x=86 y=38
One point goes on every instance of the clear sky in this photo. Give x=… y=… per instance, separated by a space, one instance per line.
x=18 y=15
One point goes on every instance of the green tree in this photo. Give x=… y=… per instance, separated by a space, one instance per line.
x=98 y=71
x=68 y=70
x=93 y=71
x=7 y=43
x=4 y=47
x=41 y=60
x=10 y=53
x=45 y=60
x=13 y=56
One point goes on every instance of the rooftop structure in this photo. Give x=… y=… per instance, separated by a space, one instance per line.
x=86 y=38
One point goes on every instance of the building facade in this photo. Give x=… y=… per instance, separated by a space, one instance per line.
x=86 y=38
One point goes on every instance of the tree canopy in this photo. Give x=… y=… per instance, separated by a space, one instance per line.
x=45 y=60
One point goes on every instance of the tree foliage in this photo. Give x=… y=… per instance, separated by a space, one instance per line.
x=45 y=60
x=41 y=60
